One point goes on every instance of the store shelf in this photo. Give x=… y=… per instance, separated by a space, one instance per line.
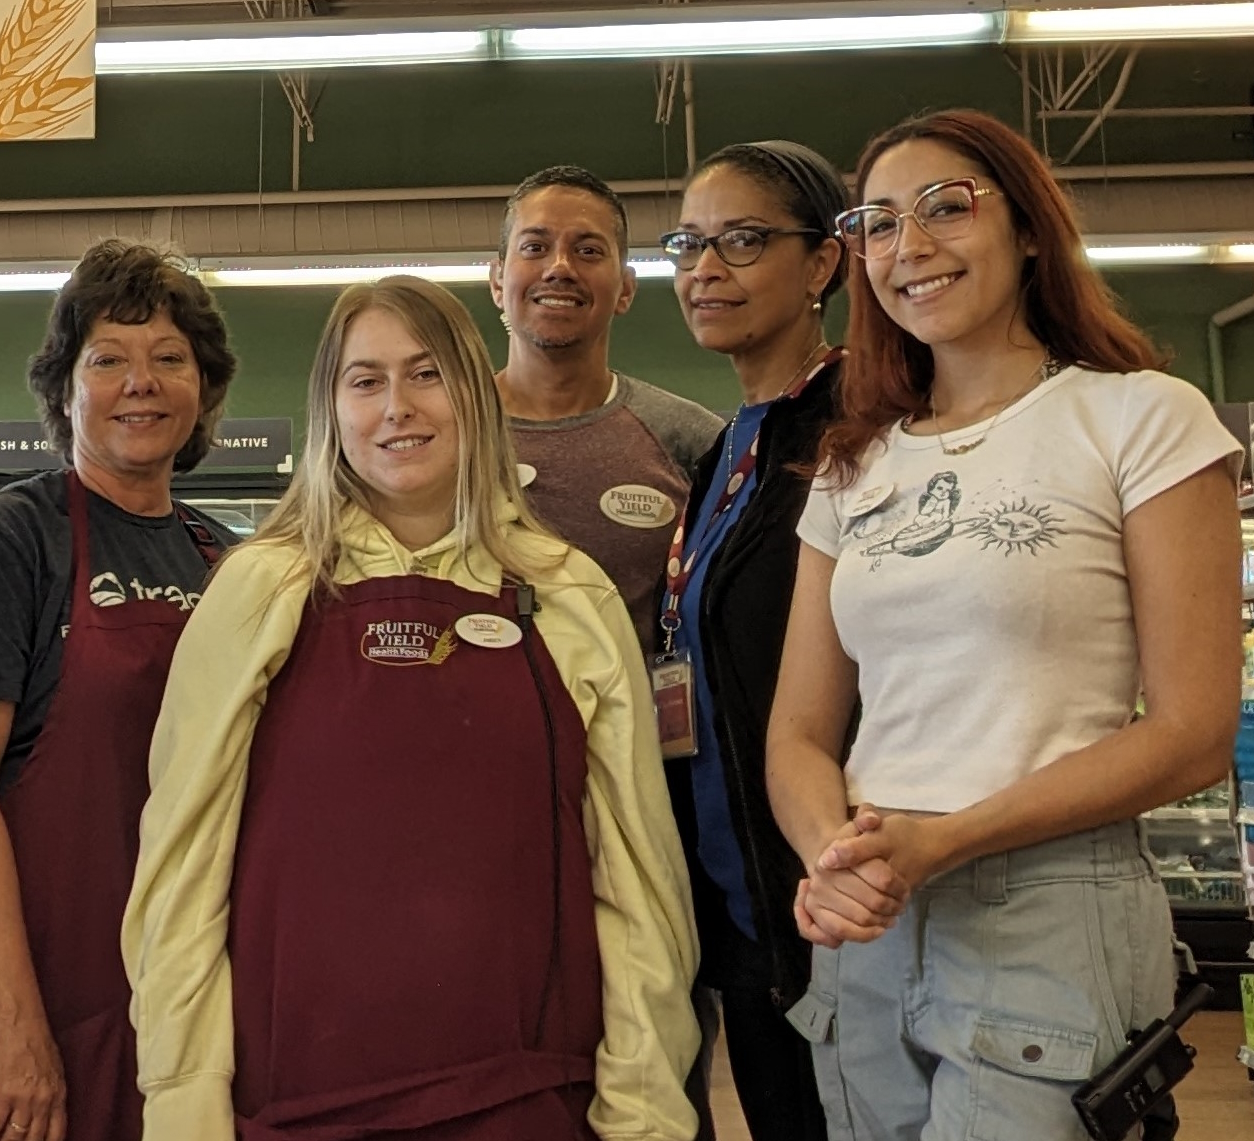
x=1205 y=889
x=1245 y=502
x=1195 y=815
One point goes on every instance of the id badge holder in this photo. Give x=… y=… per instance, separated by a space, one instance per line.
x=672 y=676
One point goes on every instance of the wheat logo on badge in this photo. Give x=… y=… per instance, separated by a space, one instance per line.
x=634 y=505
x=407 y=644
x=490 y=631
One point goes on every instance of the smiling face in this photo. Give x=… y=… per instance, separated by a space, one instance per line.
x=562 y=280
x=397 y=429
x=134 y=398
x=740 y=309
x=962 y=292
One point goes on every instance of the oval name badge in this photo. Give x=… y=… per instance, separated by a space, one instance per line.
x=526 y=475
x=869 y=499
x=490 y=631
x=635 y=505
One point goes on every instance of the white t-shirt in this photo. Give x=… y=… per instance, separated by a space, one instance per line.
x=984 y=597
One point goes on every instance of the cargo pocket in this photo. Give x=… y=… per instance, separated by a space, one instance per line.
x=1025 y=1074
x=814 y=1018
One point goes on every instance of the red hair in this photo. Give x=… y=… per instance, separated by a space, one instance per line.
x=1067 y=305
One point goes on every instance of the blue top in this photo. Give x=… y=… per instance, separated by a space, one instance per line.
x=717 y=848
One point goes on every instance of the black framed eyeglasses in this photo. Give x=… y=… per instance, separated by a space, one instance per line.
x=737 y=247
x=943 y=211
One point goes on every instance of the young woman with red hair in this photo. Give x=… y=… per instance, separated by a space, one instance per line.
x=1016 y=526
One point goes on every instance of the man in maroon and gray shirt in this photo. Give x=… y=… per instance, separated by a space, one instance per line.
x=605 y=458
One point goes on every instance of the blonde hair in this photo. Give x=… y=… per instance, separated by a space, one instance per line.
x=308 y=516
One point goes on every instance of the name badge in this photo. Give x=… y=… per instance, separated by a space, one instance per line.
x=490 y=631
x=869 y=499
x=672 y=678
x=635 y=505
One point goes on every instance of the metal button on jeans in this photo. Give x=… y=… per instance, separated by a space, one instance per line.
x=1033 y=1053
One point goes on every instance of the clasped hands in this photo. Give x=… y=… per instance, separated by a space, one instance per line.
x=862 y=880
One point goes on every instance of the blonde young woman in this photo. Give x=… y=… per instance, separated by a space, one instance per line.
x=407 y=872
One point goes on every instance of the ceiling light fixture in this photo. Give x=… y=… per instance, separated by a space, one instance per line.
x=206 y=51
x=1165 y=254
x=31 y=281
x=1164 y=22
x=722 y=37
x=472 y=269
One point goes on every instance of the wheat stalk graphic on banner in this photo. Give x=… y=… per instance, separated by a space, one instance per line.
x=43 y=91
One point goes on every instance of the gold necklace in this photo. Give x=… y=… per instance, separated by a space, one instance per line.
x=796 y=376
x=1041 y=372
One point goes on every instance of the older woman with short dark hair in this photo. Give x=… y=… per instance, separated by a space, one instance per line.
x=99 y=569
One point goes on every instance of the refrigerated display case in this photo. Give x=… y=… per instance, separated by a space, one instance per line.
x=237 y=501
x=1199 y=859
x=1204 y=844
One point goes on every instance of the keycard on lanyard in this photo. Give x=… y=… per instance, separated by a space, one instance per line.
x=672 y=678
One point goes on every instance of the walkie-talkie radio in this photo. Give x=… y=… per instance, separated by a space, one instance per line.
x=1153 y=1064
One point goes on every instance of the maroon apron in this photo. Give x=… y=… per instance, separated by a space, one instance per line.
x=400 y=969
x=73 y=817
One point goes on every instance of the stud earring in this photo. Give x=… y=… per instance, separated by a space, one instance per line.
x=509 y=329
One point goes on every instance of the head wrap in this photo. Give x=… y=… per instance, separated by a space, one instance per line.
x=813 y=175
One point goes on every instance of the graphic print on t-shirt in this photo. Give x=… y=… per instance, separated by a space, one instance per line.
x=923 y=520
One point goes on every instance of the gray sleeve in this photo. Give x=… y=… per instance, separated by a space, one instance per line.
x=685 y=429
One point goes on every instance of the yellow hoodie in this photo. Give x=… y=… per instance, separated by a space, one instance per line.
x=175 y=930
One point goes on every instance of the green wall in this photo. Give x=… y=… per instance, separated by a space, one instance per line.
x=274 y=332
x=471 y=124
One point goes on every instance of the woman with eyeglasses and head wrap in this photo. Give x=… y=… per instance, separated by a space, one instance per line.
x=756 y=262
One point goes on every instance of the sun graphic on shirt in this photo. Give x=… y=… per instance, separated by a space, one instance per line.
x=1016 y=526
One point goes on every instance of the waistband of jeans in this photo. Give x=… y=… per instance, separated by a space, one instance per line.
x=1113 y=851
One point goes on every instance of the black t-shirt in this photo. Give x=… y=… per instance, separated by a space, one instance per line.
x=132 y=557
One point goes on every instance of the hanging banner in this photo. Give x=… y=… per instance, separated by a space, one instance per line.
x=252 y=443
x=47 y=69
x=242 y=443
x=23 y=447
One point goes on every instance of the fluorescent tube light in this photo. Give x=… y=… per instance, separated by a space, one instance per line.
x=447 y=274
x=732 y=36
x=652 y=268
x=32 y=282
x=295 y=52
x=1171 y=21
x=340 y=274
x=1150 y=255
x=1242 y=251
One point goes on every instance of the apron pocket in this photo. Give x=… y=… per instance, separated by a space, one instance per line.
x=1025 y=1073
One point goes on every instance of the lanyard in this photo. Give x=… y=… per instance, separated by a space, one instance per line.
x=679 y=569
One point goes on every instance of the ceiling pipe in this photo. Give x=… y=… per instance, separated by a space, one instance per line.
x=1215 y=344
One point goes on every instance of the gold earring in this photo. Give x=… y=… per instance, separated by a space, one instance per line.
x=509 y=329
x=817 y=305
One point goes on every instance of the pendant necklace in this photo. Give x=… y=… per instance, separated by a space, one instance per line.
x=1040 y=373
x=796 y=376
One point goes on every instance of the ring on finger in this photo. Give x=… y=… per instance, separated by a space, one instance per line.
x=19 y=1128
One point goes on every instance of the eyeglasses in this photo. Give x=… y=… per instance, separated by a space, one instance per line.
x=944 y=211
x=739 y=247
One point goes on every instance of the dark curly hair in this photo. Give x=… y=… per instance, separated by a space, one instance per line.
x=130 y=282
